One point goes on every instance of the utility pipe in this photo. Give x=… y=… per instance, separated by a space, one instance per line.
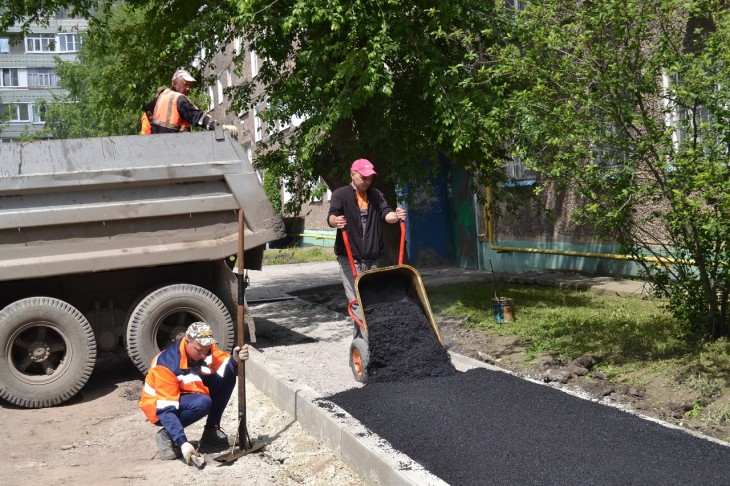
x=489 y=224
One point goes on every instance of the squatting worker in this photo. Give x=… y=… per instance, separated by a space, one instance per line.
x=173 y=111
x=187 y=381
x=360 y=209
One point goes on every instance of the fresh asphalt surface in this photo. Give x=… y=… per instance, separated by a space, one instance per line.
x=489 y=427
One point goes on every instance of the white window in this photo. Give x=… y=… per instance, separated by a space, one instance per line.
x=15 y=112
x=37 y=113
x=686 y=122
x=68 y=42
x=9 y=77
x=516 y=170
x=211 y=103
x=237 y=42
x=42 y=77
x=229 y=78
x=254 y=64
x=258 y=125
x=219 y=86
x=40 y=43
x=515 y=4
x=4 y=45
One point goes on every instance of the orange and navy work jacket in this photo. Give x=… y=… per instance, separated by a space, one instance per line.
x=166 y=113
x=171 y=376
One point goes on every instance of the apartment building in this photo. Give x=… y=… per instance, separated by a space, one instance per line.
x=27 y=71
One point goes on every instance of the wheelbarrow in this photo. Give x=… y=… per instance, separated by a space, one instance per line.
x=396 y=283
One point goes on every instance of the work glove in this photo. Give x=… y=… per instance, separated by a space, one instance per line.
x=240 y=353
x=210 y=124
x=232 y=129
x=191 y=455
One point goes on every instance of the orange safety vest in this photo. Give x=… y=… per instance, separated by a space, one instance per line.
x=166 y=114
x=146 y=127
x=170 y=376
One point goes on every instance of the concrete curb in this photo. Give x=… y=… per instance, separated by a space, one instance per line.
x=354 y=445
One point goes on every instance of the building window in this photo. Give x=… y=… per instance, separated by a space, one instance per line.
x=229 y=78
x=258 y=125
x=38 y=113
x=40 y=43
x=9 y=77
x=515 y=170
x=211 y=103
x=515 y=4
x=686 y=122
x=42 y=78
x=15 y=112
x=69 y=42
x=4 y=45
x=219 y=86
x=610 y=154
x=254 y=64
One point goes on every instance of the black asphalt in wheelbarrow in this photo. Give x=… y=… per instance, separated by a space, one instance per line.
x=489 y=427
x=392 y=290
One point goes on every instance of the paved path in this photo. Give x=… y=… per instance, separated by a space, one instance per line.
x=522 y=432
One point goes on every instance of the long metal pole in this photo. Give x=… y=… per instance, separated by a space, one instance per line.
x=244 y=441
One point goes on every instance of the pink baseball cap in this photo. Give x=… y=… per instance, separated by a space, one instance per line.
x=364 y=167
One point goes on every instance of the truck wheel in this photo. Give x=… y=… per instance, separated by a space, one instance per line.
x=359 y=359
x=162 y=317
x=47 y=352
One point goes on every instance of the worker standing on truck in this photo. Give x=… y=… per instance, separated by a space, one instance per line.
x=360 y=209
x=187 y=381
x=173 y=111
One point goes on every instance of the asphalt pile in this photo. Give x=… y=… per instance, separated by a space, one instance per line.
x=402 y=345
x=489 y=427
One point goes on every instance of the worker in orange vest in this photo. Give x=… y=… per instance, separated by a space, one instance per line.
x=147 y=112
x=173 y=111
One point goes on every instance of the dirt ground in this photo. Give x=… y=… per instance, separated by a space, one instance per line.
x=101 y=437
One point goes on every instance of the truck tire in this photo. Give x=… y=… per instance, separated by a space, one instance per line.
x=47 y=352
x=162 y=316
x=359 y=359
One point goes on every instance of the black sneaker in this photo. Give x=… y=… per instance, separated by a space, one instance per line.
x=213 y=436
x=167 y=450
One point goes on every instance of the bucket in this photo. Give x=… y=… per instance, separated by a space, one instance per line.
x=503 y=310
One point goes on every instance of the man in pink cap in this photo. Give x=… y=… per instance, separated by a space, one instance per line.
x=364 y=208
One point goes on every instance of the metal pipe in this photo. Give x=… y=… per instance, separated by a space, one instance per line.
x=489 y=224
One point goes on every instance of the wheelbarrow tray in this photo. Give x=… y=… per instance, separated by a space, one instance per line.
x=398 y=283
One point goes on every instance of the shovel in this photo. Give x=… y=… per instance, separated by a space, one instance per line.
x=245 y=444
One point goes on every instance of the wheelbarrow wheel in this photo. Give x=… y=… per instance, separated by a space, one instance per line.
x=359 y=358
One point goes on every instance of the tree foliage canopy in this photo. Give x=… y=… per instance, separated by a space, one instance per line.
x=627 y=103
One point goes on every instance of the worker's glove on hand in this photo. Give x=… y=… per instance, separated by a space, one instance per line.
x=210 y=125
x=240 y=353
x=232 y=129
x=192 y=456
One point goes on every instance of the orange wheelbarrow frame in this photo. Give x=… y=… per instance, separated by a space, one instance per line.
x=392 y=284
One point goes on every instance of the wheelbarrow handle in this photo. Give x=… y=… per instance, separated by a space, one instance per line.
x=352 y=314
x=348 y=249
x=402 y=242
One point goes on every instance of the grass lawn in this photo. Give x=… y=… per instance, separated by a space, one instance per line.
x=639 y=341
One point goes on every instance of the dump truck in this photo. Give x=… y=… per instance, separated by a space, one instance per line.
x=117 y=244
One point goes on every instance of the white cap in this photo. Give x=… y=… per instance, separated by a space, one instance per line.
x=182 y=73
